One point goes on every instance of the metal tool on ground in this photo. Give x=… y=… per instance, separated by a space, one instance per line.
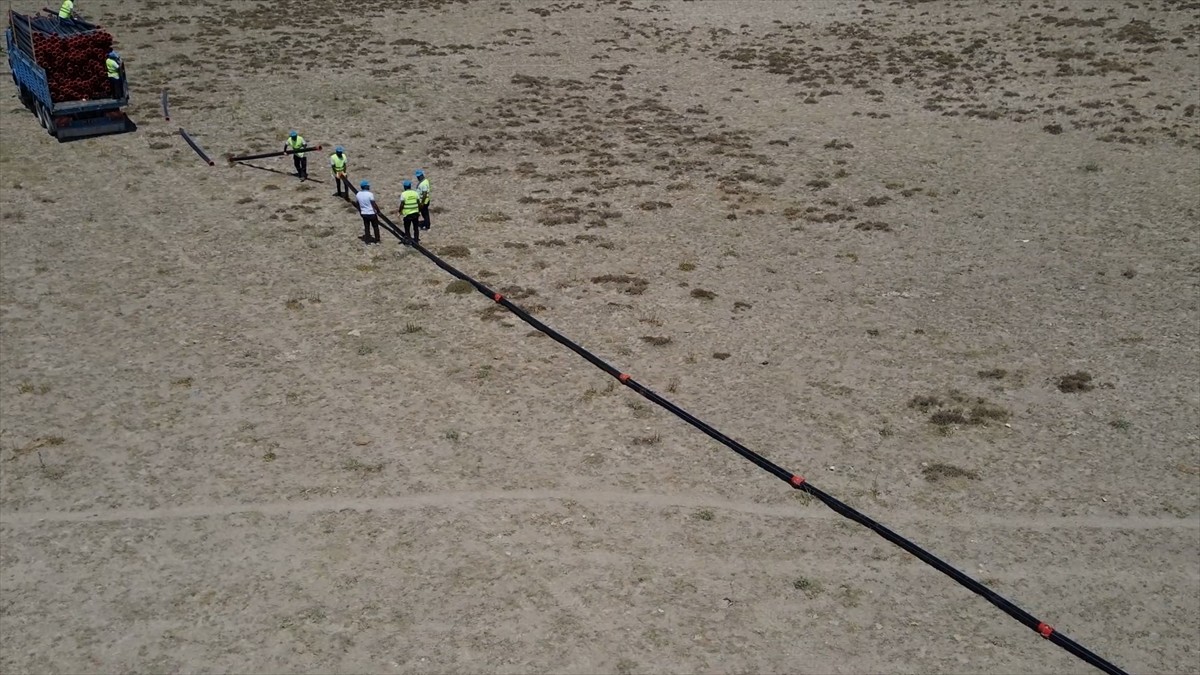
x=793 y=480
x=195 y=147
x=58 y=67
x=264 y=155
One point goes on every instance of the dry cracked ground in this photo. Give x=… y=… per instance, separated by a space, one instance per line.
x=940 y=257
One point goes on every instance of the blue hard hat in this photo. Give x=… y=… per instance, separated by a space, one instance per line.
x=407 y=184
x=420 y=173
x=293 y=134
x=113 y=53
x=339 y=150
x=364 y=184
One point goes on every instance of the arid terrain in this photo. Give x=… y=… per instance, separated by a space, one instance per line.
x=939 y=257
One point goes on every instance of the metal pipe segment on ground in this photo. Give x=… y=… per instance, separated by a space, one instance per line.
x=278 y=153
x=195 y=147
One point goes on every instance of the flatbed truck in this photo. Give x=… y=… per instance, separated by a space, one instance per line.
x=62 y=119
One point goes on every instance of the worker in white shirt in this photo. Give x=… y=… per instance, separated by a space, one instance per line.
x=369 y=211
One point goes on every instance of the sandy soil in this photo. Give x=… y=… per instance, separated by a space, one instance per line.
x=234 y=439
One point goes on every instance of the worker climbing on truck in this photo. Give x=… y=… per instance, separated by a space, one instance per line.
x=293 y=145
x=67 y=10
x=116 y=74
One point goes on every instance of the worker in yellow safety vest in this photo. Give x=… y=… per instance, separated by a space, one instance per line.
x=294 y=142
x=423 y=198
x=112 y=64
x=410 y=210
x=67 y=11
x=337 y=166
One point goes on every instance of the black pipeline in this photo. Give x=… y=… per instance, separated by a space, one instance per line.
x=195 y=147
x=280 y=153
x=795 y=481
x=166 y=110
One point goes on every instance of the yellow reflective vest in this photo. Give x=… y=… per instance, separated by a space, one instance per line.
x=408 y=202
x=68 y=8
x=295 y=144
x=114 y=68
x=337 y=164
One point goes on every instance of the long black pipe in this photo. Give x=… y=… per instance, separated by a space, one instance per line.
x=195 y=147
x=279 y=153
x=166 y=110
x=795 y=481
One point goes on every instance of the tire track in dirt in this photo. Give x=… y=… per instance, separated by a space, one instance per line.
x=451 y=499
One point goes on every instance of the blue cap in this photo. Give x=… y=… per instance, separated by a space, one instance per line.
x=339 y=150
x=407 y=184
x=364 y=184
x=293 y=134
x=420 y=173
x=113 y=53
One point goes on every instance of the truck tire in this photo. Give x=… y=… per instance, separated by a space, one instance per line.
x=46 y=120
x=39 y=111
x=23 y=94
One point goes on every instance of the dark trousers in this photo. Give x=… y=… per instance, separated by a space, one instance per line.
x=412 y=226
x=342 y=185
x=301 y=165
x=370 y=222
x=115 y=82
x=424 y=216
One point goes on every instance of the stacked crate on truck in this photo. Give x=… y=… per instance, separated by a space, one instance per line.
x=59 y=68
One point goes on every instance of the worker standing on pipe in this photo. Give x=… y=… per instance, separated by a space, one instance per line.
x=294 y=142
x=67 y=11
x=423 y=198
x=369 y=211
x=337 y=166
x=410 y=210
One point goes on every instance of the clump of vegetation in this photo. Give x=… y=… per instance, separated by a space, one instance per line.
x=657 y=341
x=944 y=418
x=993 y=374
x=939 y=472
x=873 y=226
x=654 y=205
x=1138 y=32
x=924 y=402
x=1075 y=383
x=629 y=284
x=810 y=587
x=356 y=465
x=454 y=251
x=958 y=408
x=459 y=287
x=702 y=294
x=982 y=413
